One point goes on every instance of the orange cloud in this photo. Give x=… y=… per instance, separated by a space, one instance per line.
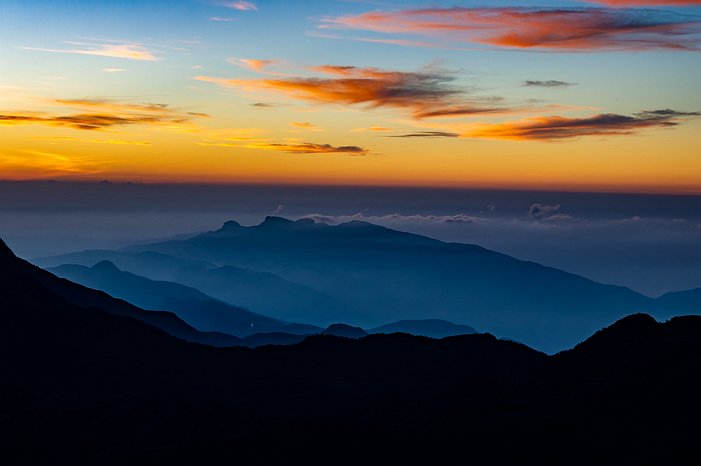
x=543 y=28
x=424 y=94
x=427 y=134
x=29 y=163
x=113 y=105
x=103 y=114
x=252 y=64
x=78 y=121
x=305 y=125
x=551 y=128
x=374 y=129
x=308 y=148
x=128 y=51
x=119 y=142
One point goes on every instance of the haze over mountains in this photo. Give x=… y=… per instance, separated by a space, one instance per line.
x=259 y=291
x=65 y=292
x=648 y=242
x=82 y=385
x=193 y=306
x=367 y=275
x=208 y=314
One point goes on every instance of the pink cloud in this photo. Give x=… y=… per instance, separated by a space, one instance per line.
x=575 y=29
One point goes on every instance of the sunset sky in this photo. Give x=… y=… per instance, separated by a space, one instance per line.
x=600 y=95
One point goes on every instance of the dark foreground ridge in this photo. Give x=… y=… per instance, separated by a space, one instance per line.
x=81 y=385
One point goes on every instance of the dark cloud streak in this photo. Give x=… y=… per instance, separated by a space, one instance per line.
x=548 y=83
x=426 y=134
x=558 y=128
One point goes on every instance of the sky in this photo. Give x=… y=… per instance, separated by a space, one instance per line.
x=595 y=96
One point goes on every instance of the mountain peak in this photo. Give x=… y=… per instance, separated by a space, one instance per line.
x=230 y=225
x=272 y=221
x=344 y=330
x=105 y=266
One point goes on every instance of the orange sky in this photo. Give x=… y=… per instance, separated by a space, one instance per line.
x=366 y=98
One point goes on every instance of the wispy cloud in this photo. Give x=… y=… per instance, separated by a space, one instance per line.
x=113 y=70
x=374 y=129
x=305 y=125
x=259 y=66
x=241 y=6
x=573 y=29
x=425 y=94
x=221 y=19
x=102 y=114
x=307 y=148
x=426 y=134
x=118 y=142
x=32 y=162
x=127 y=51
x=548 y=83
x=230 y=137
x=553 y=128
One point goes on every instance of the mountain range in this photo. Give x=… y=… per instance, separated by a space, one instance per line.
x=366 y=275
x=208 y=314
x=202 y=311
x=83 y=384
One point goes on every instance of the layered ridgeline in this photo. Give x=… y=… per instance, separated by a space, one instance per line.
x=82 y=385
x=260 y=292
x=25 y=285
x=209 y=314
x=191 y=305
x=367 y=275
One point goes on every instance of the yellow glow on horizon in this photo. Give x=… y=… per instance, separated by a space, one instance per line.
x=658 y=161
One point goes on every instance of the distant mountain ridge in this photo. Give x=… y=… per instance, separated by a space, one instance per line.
x=373 y=275
x=191 y=305
x=260 y=292
x=434 y=328
x=14 y=269
x=208 y=314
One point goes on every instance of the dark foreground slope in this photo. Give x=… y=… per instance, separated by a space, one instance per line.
x=81 y=386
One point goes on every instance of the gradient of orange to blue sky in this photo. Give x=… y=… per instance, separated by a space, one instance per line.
x=599 y=95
